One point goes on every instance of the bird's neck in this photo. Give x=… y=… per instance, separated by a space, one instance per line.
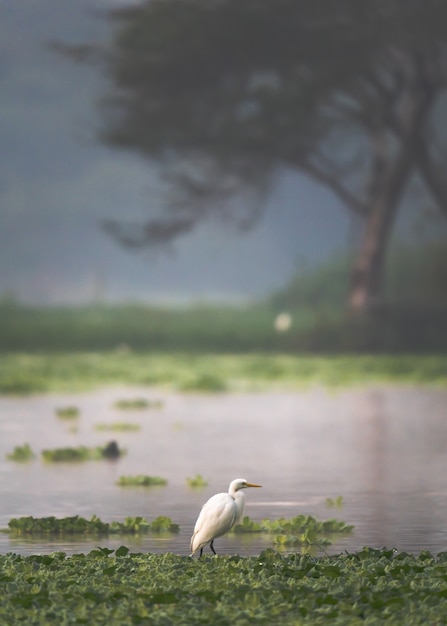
x=238 y=495
x=239 y=499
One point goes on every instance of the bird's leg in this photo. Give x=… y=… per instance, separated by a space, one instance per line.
x=212 y=547
x=201 y=550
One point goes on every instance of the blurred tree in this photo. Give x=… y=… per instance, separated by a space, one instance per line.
x=225 y=93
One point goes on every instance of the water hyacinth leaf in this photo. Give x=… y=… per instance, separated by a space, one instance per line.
x=296 y=531
x=248 y=526
x=76 y=525
x=272 y=588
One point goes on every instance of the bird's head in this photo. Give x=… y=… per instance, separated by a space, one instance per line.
x=241 y=483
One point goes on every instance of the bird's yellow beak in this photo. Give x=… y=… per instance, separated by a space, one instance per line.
x=253 y=485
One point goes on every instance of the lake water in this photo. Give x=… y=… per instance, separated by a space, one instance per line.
x=384 y=449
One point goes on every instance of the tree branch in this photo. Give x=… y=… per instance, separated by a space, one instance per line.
x=333 y=182
x=154 y=232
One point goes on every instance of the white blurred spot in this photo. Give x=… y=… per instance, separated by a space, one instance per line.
x=283 y=322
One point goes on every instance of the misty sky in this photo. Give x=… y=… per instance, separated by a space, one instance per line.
x=57 y=183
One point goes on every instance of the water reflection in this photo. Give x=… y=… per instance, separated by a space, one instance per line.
x=382 y=449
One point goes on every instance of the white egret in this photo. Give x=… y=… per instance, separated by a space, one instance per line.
x=220 y=513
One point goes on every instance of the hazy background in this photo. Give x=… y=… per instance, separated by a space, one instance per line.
x=57 y=182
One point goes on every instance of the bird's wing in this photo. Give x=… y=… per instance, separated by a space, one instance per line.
x=215 y=519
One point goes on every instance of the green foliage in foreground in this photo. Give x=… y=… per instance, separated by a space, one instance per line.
x=21 y=454
x=141 y=481
x=124 y=589
x=52 y=526
x=28 y=373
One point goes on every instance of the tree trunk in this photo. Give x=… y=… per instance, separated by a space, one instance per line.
x=367 y=274
x=389 y=177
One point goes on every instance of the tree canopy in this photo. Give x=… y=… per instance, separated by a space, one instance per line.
x=225 y=93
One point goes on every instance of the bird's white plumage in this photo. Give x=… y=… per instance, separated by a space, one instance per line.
x=219 y=514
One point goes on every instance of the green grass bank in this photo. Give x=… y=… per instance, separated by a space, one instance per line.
x=24 y=373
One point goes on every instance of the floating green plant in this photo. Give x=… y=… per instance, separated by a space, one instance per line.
x=118 y=426
x=69 y=454
x=138 y=403
x=248 y=525
x=336 y=503
x=197 y=481
x=21 y=454
x=296 y=531
x=67 y=413
x=82 y=453
x=137 y=525
x=76 y=525
x=141 y=481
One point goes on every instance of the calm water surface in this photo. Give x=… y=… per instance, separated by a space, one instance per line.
x=383 y=449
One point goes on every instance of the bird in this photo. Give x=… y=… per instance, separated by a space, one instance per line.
x=219 y=514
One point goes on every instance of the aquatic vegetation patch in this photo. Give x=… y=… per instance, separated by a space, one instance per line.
x=204 y=383
x=141 y=480
x=118 y=426
x=82 y=453
x=76 y=525
x=68 y=412
x=124 y=589
x=21 y=454
x=296 y=531
x=197 y=482
x=336 y=503
x=137 y=403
